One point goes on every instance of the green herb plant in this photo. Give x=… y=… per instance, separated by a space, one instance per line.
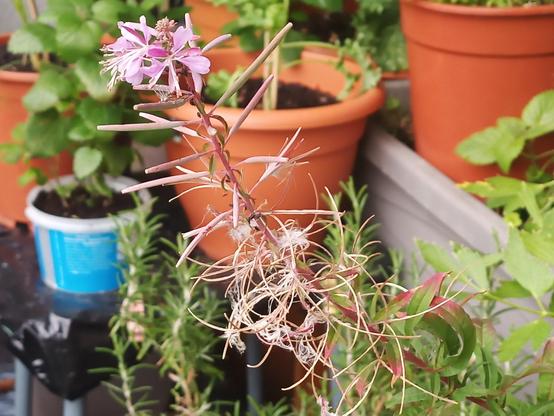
x=490 y=382
x=157 y=317
x=259 y=20
x=70 y=96
x=519 y=276
x=377 y=31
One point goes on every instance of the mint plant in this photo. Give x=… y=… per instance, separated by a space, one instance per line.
x=70 y=96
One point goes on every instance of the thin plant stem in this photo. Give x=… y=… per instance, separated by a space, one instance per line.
x=267 y=66
x=220 y=153
x=33 y=11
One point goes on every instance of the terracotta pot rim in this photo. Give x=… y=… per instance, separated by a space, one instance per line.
x=15 y=76
x=396 y=75
x=483 y=11
x=342 y=112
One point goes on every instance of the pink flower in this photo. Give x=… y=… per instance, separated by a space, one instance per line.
x=181 y=52
x=127 y=55
x=144 y=52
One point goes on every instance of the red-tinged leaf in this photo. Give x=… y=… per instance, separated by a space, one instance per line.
x=421 y=299
x=393 y=360
x=450 y=323
x=328 y=351
x=403 y=299
x=361 y=385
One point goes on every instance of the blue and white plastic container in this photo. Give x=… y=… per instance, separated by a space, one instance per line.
x=78 y=255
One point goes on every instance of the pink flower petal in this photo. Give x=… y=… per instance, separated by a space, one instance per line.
x=180 y=38
x=120 y=44
x=199 y=64
x=130 y=34
x=135 y=79
x=157 y=52
x=198 y=83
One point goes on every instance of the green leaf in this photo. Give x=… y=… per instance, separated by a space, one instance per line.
x=451 y=324
x=540 y=409
x=540 y=111
x=51 y=87
x=391 y=54
x=33 y=175
x=11 y=152
x=152 y=138
x=421 y=299
x=107 y=11
x=293 y=54
x=77 y=39
x=530 y=272
x=327 y=5
x=436 y=256
x=249 y=40
x=95 y=113
x=469 y=390
x=86 y=161
x=219 y=82
x=510 y=289
x=495 y=187
x=80 y=130
x=474 y=264
x=117 y=157
x=513 y=140
x=527 y=195
x=59 y=10
x=33 y=38
x=46 y=134
x=177 y=13
x=96 y=84
x=481 y=148
x=411 y=395
x=540 y=245
x=536 y=332
x=545 y=387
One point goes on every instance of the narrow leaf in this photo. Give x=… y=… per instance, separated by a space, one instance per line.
x=254 y=65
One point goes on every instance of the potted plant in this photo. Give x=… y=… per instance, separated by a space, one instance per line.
x=70 y=214
x=470 y=63
x=16 y=79
x=61 y=84
x=335 y=127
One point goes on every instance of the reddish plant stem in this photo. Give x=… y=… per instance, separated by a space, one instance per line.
x=220 y=153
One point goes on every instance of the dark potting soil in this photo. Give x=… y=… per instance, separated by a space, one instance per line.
x=11 y=62
x=81 y=204
x=290 y=95
x=327 y=27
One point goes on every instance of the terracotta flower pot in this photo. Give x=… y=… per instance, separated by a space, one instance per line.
x=210 y=19
x=469 y=66
x=336 y=129
x=13 y=86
